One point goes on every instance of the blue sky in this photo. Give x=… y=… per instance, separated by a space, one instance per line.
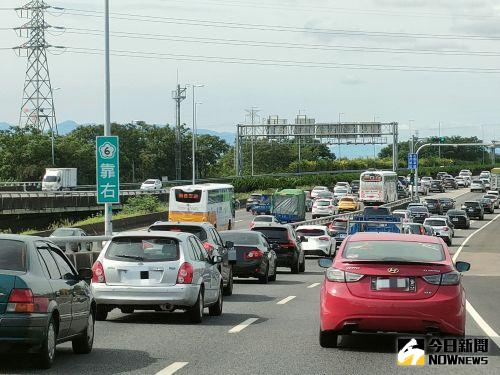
x=465 y=103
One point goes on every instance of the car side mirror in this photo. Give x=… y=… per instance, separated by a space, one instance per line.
x=229 y=244
x=462 y=266
x=85 y=274
x=325 y=262
x=216 y=259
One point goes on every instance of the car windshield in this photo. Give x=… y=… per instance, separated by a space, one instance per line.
x=340 y=190
x=435 y=223
x=340 y=224
x=376 y=211
x=241 y=238
x=64 y=232
x=405 y=251
x=255 y=196
x=348 y=200
x=320 y=188
x=143 y=249
x=477 y=182
x=51 y=179
x=263 y=219
x=197 y=231
x=310 y=232
x=273 y=233
x=12 y=255
x=471 y=204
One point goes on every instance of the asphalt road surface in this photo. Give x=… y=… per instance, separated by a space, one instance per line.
x=273 y=329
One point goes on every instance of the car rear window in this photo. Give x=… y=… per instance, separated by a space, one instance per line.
x=435 y=223
x=197 y=231
x=404 y=251
x=263 y=219
x=64 y=232
x=376 y=211
x=471 y=204
x=340 y=224
x=239 y=238
x=12 y=255
x=322 y=203
x=418 y=209
x=349 y=200
x=274 y=234
x=143 y=249
x=456 y=213
x=310 y=232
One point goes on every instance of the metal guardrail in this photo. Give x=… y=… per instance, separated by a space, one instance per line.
x=88 y=248
x=350 y=215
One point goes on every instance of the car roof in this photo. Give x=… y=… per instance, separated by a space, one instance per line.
x=322 y=227
x=374 y=236
x=140 y=233
x=241 y=231
x=272 y=225
x=22 y=237
x=186 y=223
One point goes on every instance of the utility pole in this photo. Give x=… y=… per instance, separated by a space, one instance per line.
x=178 y=95
x=482 y=139
x=108 y=207
x=252 y=114
x=37 y=107
x=439 y=148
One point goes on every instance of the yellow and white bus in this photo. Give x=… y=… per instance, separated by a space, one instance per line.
x=213 y=203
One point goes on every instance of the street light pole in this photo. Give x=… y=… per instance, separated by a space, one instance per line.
x=340 y=151
x=193 y=156
x=108 y=207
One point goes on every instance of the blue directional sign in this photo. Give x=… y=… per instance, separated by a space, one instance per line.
x=412 y=161
x=108 y=169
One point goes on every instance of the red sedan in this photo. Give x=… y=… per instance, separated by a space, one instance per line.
x=388 y=282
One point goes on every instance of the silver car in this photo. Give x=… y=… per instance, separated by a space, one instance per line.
x=441 y=227
x=161 y=271
x=319 y=241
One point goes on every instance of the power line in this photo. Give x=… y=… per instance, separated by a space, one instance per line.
x=279 y=28
x=286 y=45
x=289 y=63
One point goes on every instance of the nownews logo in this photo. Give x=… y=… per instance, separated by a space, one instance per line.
x=442 y=351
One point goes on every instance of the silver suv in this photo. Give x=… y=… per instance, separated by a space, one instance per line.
x=161 y=271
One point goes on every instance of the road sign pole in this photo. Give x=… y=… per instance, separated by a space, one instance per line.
x=108 y=207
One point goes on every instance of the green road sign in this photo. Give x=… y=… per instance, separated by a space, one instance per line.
x=108 y=170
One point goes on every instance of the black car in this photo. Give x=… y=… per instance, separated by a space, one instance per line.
x=338 y=230
x=487 y=204
x=450 y=183
x=434 y=206
x=437 y=186
x=290 y=253
x=474 y=209
x=419 y=213
x=44 y=301
x=402 y=191
x=447 y=204
x=253 y=199
x=355 y=186
x=212 y=242
x=255 y=256
x=458 y=218
x=375 y=211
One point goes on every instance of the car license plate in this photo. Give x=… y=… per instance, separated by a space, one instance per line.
x=454 y=219
x=402 y=284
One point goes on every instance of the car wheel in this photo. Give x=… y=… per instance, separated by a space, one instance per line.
x=127 y=310
x=302 y=267
x=101 y=313
x=84 y=343
x=216 y=309
x=328 y=339
x=296 y=267
x=196 y=312
x=228 y=290
x=45 y=358
x=448 y=241
x=265 y=278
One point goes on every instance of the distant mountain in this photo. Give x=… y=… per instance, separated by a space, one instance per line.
x=227 y=136
x=66 y=127
x=4 y=126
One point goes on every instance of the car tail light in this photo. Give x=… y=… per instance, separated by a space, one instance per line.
x=21 y=301
x=323 y=239
x=450 y=278
x=185 y=274
x=253 y=254
x=340 y=276
x=446 y=229
x=208 y=246
x=98 y=273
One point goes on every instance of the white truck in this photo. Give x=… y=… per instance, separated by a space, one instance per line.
x=495 y=179
x=57 y=179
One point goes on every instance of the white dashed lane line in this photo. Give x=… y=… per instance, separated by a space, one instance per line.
x=285 y=300
x=313 y=285
x=172 y=369
x=240 y=327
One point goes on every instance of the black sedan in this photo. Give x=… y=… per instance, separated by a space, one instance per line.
x=447 y=204
x=43 y=300
x=474 y=209
x=437 y=186
x=253 y=255
x=450 y=182
x=419 y=213
x=434 y=206
x=459 y=219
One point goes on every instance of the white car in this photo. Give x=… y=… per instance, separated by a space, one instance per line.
x=465 y=172
x=477 y=185
x=323 y=207
x=485 y=174
x=151 y=184
x=461 y=181
x=404 y=215
x=263 y=219
x=345 y=185
x=486 y=182
x=319 y=242
x=340 y=191
x=317 y=189
x=426 y=180
x=442 y=228
x=423 y=189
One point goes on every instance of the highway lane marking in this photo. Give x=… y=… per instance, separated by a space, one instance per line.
x=285 y=300
x=313 y=285
x=240 y=327
x=172 y=369
x=238 y=221
x=490 y=332
x=459 y=250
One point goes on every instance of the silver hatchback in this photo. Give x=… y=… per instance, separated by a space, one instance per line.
x=161 y=271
